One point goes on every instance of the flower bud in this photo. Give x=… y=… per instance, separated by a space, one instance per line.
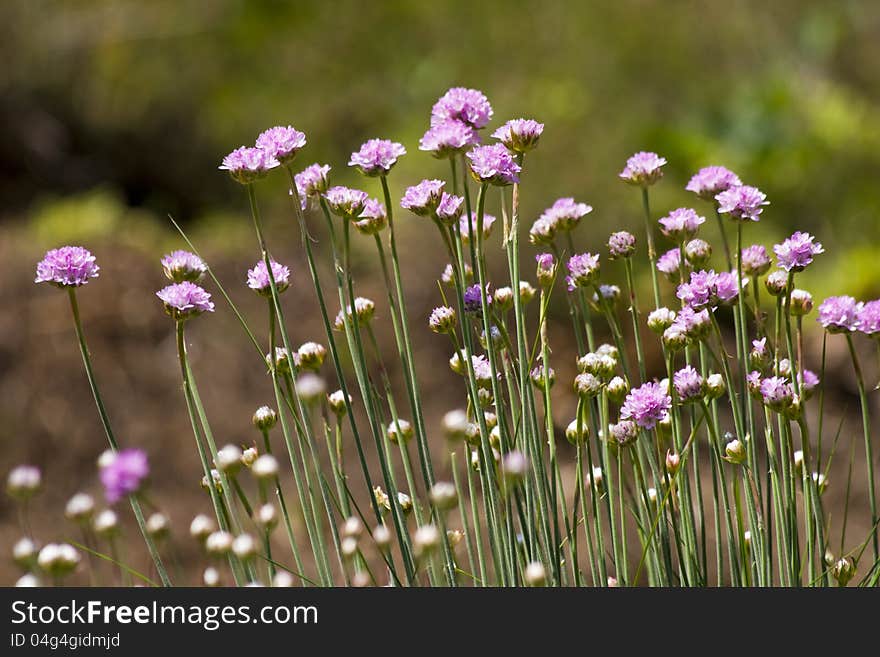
x=652 y=495
x=382 y=537
x=24 y=553
x=27 y=580
x=503 y=299
x=735 y=452
x=526 y=292
x=158 y=525
x=336 y=401
x=353 y=527
x=248 y=456
x=442 y=320
x=621 y=244
x=266 y=517
x=349 y=547
x=405 y=502
x=514 y=467
x=282 y=362
x=400 y=431
x=495 y=437
x=219 y=544
x=617 y=388
x=698 y=252
x=587 y=385
x=455 y=425
x=546 y=270
x=265 y=467
x=80 y=508
x=201 y=527
x=596 y=479
x=801 y=303
x=843 y=571
x=673 y=462
x=444 y=495
x=426 y=540
x=382 y=500
x=106 y=523
x=534 y=574
x=245 y=547
x=23 y=482
x=58 y=559
x=310 y=388
x=674 y=339
x=820 y=481
x=715 y=386
x=282 y=580
x=228 y=459
x=776 y=283
x=537 y=375
x=454 y=537
x=660 y=319
x=264 y=418
x=798 y=459
x=573 y=435
x=211 y=576
x=457 y=363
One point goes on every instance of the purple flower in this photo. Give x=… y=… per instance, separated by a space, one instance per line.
x=448 y=139
x=281 y=143
x=482 y=370
x=795 y=253
x=124 y=473
x=643 y=169
x=377 y=156
x=467 y=105
x=69 y=266
x=466 y=228
x=519 y=135
x=839 y=314
x=776 y=392
x=726 y=289
x=669 y=263
x=473 y=301
x=373 y=219
x=755 y=260
x=708 y=182
x=493 y=164
x=694 y=324
x=182 y=266
x=247 y=165
x=565 y=213
x=621 y=244
x=543 y=231
x=681 y=224
x=583 y=270
x=869 y=318
x=742 y=202
x=646 y=405
x=185 y=300
x=423 y=199
x=546 y=268
x=346 y=202
x=624 y=432
x=688 y=383
x=258 y=278
x=700 y=291
x=753 y=383
x=808 y=382
x=450 y=208
x=311 y=182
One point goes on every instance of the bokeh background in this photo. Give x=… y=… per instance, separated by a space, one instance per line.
x=115 y=114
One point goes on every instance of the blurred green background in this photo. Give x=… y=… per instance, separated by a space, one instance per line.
x=117 y=113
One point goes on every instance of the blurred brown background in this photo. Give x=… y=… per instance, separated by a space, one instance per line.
x=115 y=114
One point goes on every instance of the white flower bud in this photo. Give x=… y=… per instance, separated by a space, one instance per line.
x=80 y=508
x=353 y=527
x=244 y=547
x=106 y=523
x=336 y=401
x=282 y=580
x=58 y=559
x=24 y=552
x=265 y=467
x=266 y=517
x=310 y=388
x=382 y=536
x=228 y=459
x=455 y=425
x=158 y=525
x=265 y=418
x=534 y=574
x=426 y=540
x=211 y=577
x=444 y=495
x=23 y=482
x=401 y=430
x=405 y=502
x=27 y=581
x=349 y=547
x=201 y=527
x=248 y=456
x=219 y=543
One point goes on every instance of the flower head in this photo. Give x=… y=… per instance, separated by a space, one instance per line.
x=258 y=278
x=377 y=156
x=185 y=300
x=493 y=164
x=742 y=202
x=546 y=268
x=681 y=224
x=583 y=270
x=755 y=260
x=281 y=143
x=840 y=314
x=467 y=228
x=699 y=292
x=776 y=392
x=467 y=105
x=473 y=301
x=449 y=138
x=346 y=202
x=423 y=199
x=708 y=182
x=643 y=169
x=621 y=244
x=565 y=213
x=69 y=266
x=182 y=266
x=519 y=135
x=123 y=473
x=646 y=405
x=688 y=383
x=869 y=318
x=373 y=219
x=669 y=263
x=795 y=253
x=450 y=208
x=247 y=165
x=311 y=182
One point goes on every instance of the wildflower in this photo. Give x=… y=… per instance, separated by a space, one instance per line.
x=695 y=324
x=624 y=433
x=726 y=288
x=249 y=456
x=621 y=244
x=467 y=228
x=124 y=474
x=455 y=425
x=336 y=401
x=643 y=169
x=688 y=384
x=423 y=199
x=182 y=266
x=617 y=388
x=801 y=302
x=377 y=156
x=219 y=543
x=795 y=253
x=201 y=527
x=443 y=495
x=840 y=314
x=364 y=309
x=681 y=224
x=868 y=318
x=675 y=339
x=405 y=502
x=808 y=381
x=583 y=270
x=185 y=300
x=715 y=386
x=311 y=182
x=587 y=385
x=607 y=293
x=23 y=482
x=266 y=517
x=345 y=202
x=442 y=320
x=700 y=291
x=759 y=356
x=660 y=319
x=258 y=278
x=565 y=213
x=708 y=182
x=244 y=547
x=526 y=292
x=697 y=252
x=449 y=209
x=449 y=138
x=382 y=536
x=843 y=570
x=469 y=106
x=310 y=388
x=69 y=266
x=537 y=376
x=473 y=302
x=546 y=270
x=24 y=553
x=265 y=467
x=503 y=298
x=514 y=466
x=228 y=459
x=158 y=526
x=777 y=283
x=776 y=393
x=646 y=405
x=575 y=434
x=372 y=219
x=400 y=431
x=742 y=202
x=821 y=482
x=106 y=524
x=283 y=363
x=534 y=574
x=673 y=462
x=755 y=261
x=669 y=264
x=58 y=559
x=735 y=452
x=281 y=143
x=519 y=135
x=80 y=508
x=493 y=165
x=543 y=231
x=426 y=540
x=353 y=527
x=247 y=165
